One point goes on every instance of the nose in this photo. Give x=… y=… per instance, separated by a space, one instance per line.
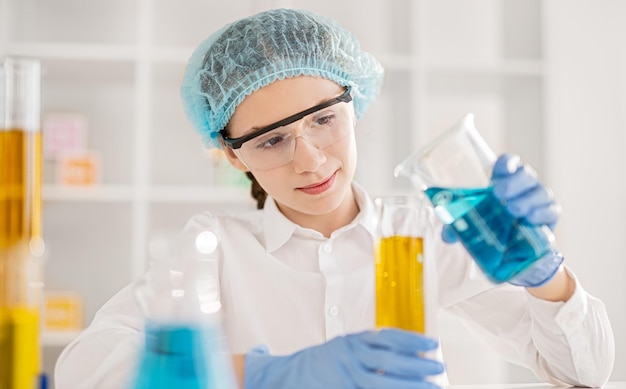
x=306 y=156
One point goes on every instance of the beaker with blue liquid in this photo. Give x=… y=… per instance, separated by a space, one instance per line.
x=454 y=171
x=179 y=295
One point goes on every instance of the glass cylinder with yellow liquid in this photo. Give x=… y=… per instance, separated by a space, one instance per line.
x=401 y=269
x=21 y=244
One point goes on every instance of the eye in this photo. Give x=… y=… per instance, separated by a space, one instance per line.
x=325 y=120
x=272 y=140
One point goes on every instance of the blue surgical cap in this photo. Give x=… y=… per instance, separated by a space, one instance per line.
x=256 y=51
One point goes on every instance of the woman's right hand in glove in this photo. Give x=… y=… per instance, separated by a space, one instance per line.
x=388 y=358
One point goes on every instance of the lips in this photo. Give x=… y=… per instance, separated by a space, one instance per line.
x=319 y=187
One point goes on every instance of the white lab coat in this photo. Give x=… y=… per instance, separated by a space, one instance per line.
x=288 y=288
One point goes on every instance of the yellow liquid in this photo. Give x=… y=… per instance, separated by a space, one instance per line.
x=400 y=283
x=20 y=186
x=20 y=222
x=19 y=348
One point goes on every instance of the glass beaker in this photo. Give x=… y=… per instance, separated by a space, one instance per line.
x=21 y=244
x=179 y=295
x=404 y=275
x=455 y=173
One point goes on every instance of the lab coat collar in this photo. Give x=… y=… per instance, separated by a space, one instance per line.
x=279 y=229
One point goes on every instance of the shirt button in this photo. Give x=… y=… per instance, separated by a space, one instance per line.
x=327 y=248
x=333 y=311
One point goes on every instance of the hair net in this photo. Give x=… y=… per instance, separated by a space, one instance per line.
x=253 y=52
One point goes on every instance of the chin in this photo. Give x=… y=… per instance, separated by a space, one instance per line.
x=334 y=198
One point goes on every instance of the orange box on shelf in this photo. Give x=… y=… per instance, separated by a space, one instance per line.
x=79 y=169
x=63 y=311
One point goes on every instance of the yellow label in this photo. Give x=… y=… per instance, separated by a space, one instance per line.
x=62 y=311
x=400 y=283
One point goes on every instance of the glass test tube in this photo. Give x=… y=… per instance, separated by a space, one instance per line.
x=21 y=244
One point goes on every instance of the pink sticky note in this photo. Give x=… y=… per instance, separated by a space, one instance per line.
x=64 y=133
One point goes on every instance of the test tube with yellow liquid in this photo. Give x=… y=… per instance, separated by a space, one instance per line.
x=402 y=284
x=21 y=244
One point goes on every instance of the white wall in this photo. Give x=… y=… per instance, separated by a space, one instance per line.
x=586 y=146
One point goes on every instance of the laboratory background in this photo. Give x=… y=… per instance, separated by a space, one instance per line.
x=123 y=169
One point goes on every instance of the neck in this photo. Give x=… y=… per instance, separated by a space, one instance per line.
x=326 y=223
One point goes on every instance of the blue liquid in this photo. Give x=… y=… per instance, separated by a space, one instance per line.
x=501 y=245
x=181 y=357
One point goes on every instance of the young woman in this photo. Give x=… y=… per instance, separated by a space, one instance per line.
x=281 y=92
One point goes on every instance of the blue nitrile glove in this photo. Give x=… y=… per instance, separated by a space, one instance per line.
x=517 y=186
x=388 y=358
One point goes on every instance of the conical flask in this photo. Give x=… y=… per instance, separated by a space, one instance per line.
x=180 y=296
x=21 y=244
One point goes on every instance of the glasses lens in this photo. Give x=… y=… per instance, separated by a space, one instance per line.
x=276 y=148
x=272 y=149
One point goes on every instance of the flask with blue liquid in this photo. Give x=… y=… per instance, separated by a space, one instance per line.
x=454 y=171
x=179 y=295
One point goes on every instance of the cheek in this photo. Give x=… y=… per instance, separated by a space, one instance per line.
x=271 y=181
x=346 y=151
x=353 y=149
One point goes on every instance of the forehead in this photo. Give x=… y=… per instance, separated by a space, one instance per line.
x=279 y=100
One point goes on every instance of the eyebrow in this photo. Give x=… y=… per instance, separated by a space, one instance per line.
x=235 y=143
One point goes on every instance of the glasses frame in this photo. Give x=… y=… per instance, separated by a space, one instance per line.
x=236 y=143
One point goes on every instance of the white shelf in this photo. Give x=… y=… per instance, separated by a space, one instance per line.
x=503 y=67
x=73 y=51
x=172 y=54
x=105 y=193
x=161 y=194
x=175 y=194
x=179 y=55
x=98 y=52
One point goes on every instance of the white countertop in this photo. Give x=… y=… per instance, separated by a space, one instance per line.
x=610 y=385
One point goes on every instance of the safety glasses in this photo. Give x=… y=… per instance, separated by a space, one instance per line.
x=275 y=145
x=236 y=143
